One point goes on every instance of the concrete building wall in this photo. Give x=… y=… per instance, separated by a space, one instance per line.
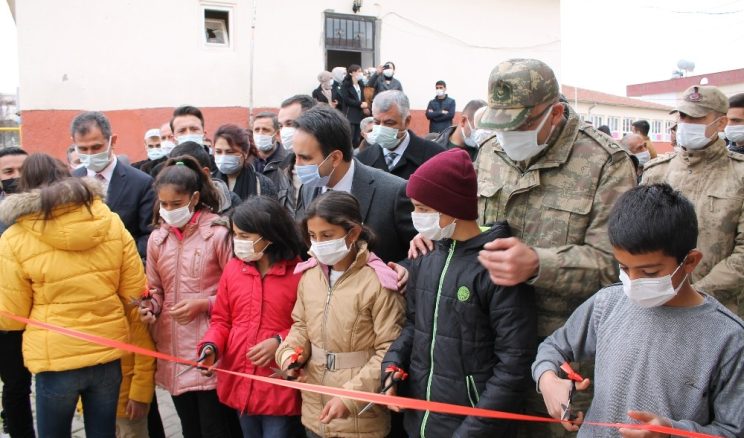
x=137 y=59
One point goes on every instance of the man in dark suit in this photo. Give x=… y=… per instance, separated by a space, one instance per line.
x=393 y=147
x=129 y=192
x=322 y=145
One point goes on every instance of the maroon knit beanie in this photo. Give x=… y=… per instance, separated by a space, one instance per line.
x=447 y=183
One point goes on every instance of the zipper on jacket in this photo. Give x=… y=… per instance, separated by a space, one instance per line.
x=173 y=321
x=434 y=335
x=472 y=390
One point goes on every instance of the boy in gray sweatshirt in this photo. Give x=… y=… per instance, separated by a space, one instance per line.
x=665 y=353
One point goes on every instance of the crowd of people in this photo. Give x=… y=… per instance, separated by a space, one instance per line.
x=518 y=260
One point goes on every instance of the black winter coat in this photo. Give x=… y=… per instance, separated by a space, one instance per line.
x=481 y=338
x=352 y=102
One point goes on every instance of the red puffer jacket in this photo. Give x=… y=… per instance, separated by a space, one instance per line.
x=250 y=309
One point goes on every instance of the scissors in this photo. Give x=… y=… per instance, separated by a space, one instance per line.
x=294 y=363
x=574 y=377
x=391 y=369
x=200 y=359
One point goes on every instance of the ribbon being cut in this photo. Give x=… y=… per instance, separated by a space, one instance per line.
x=402 y=402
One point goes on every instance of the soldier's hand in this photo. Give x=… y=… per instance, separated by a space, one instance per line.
x=509 y=261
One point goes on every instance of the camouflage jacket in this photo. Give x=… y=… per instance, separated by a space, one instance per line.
x=713 y=180
x=559 y=205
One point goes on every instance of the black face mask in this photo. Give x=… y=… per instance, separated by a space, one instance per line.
x=10 y=186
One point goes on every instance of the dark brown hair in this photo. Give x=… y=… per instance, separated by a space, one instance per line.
x=237 y=138
x=186 y=175
x=338 y=208
x=41 y=170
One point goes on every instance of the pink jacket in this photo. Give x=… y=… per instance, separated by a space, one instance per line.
x=249 y=310
x=185 y=265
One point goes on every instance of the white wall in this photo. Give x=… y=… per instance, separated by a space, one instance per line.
x=127 y=54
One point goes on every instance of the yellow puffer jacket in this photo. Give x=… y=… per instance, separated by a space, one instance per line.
x=79 y=269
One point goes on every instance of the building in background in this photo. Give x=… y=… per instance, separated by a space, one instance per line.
x=667 y=92
x=138 y=59
x=619 y=112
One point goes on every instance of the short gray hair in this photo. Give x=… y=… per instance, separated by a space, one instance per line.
x=83 y=122
x=366 y=122
x=385 y=100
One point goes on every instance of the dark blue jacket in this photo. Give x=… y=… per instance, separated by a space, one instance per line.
x=466 y=341
x=439 y=121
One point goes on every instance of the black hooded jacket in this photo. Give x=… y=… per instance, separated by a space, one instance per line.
x=466 y=340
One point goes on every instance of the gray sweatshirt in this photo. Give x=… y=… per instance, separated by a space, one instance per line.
x=684 y=364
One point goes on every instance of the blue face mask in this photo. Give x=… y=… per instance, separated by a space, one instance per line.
x=309 y=174
x=196 y=138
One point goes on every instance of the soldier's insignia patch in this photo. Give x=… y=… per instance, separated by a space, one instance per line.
x=463 y=293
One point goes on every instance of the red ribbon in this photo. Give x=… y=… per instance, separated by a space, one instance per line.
x=403 y=402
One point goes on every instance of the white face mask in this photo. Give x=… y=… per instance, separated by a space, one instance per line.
x=96 y=162
x=155 y=153
x=643 y=157
x=264 y=143
x=196 y=138
x=384 y=136
x=167 y=146
x=177 y=217
x=651 y=292
x=330 y=252
x=228 y=164
x=692 y=135
x=388 y=72
x=476 y=138
x=245 y=249
x=735 y=133
x=522 y=145
x=440 y=92
x=287 y=134
x=428 y=225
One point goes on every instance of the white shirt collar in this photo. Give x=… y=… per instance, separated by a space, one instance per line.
x=344 y=185
x=400 y=150
x=107 y=173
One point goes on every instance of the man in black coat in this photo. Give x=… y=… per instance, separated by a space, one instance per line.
x=323 y=139
x=129 y=191
x=392 y=146
x=441 y=110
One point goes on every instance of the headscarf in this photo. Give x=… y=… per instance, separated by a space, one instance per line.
x=325 y=84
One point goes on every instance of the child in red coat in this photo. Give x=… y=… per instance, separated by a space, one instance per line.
x=253 y=314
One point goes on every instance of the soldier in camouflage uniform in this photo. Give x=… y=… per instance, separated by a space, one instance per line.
x=712 y=178
x=554 y=179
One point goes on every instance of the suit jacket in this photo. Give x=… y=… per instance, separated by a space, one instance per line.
x=416 y=154
x=131 y=196
x=384 y=206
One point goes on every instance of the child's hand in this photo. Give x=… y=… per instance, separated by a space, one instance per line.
x=298 y=373
x=645 y=418
x=393 y=391
x=136 y=410
x=146 y=315
x=335 y=408
x=555 y=393
x=187 y=310
x=262 y=354
x=205 y=366
x=402 y=276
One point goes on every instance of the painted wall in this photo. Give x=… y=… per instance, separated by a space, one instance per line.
x=146 y=57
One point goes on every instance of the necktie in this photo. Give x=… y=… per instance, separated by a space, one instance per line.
x=390 y=159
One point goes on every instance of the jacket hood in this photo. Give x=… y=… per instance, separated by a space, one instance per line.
x=72 y=227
